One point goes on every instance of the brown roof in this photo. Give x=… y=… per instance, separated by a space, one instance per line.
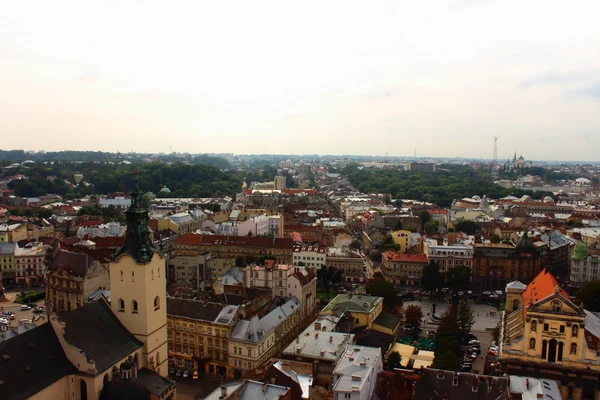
x=76 y=263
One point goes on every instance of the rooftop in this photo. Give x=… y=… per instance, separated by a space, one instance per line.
x=201 y=311
x=355 y=365
x=319 y=345
x=435 y=384
x=541 y=286
x=353 y=303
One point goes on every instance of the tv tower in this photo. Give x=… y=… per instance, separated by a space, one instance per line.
x=495 y=159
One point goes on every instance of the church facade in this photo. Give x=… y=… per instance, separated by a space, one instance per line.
x=544 y=334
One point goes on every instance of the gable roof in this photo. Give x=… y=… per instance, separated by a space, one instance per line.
x=434 y=383
x=200 y=310
x=541 y=286
x=34 y=361
x=99 y=334
x=76 y=263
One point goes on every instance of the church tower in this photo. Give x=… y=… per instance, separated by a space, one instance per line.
x=138 y=287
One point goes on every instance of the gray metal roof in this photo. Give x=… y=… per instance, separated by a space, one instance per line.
x=319 y=345
x=356 y=362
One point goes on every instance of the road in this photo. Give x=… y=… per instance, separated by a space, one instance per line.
x=19 y=315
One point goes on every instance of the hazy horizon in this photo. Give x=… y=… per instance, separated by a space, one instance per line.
x=439 y=76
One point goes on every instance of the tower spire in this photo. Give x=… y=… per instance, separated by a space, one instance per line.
x=137 y=239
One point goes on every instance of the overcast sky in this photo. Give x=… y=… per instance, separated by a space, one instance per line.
x=330 y=77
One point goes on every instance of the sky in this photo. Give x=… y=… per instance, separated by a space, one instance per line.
x=439 y=77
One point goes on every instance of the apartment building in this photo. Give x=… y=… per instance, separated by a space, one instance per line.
x=72 y=278
x=403 y=269
x=312 y=256
x=7 y=263
x=29 y=264
x=363 y=309
x=584 y=265
x=256 y=340
x=450 y=256
x=242 y=246
x=352 y=264
x=355 y=375
x=262 y=225
x=198 y=334
x=285 y=281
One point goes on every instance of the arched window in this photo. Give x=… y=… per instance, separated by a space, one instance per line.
x=132 y=276
x=82 y=390
x=134 y=306
x=516 y=304
x=106 y=379
x=532 y=344
x=121 y=275
x=157 y=358
x=152 y=274
x=534 y=326
x=573 y=348
x=156 y=303
x=574 y=331
x=556 y=306
x=121 y=305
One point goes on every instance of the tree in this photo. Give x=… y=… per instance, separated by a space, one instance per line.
x=379 y=287
x=467 y=226
x=388 y=244
x=413 y=315
x=431 y=227
x=328 y=276
x=394 y=360
x=425 y=217
x=431 y=279
x=589 y=295
x=458 y=278
x=465 y=319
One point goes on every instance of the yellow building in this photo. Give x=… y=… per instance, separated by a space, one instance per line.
x=13 y=232
x=403 y=239
x=198 y=334
x=361 y=308
x=546 y=335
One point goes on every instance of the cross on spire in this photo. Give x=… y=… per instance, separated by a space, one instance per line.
x=136 y=174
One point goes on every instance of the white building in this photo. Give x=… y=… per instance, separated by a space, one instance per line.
x=119 y=202
x=355 y=374
x=450 y=256
x=111 y=229
x=29 y=264
x=261 y=225
x=226 y=229
x=311 y=256
x=285 y=281
x=584 y=265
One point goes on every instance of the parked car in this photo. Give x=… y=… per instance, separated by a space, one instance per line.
x=473 y=341
x=178 y=373
x=186 y=374
x=195 y=376
x=3 y=321
x=172 y=371
x=494 y=296
x=499 y=292
x=486 y=293
x=25 y=307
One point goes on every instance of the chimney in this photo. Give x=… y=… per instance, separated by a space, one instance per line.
x=298 y=339
x=527 y=384
x=540 y=395
x=264 y=387
x=330 y=339
x=317 y=335
x=317 y=326
x=224 y=391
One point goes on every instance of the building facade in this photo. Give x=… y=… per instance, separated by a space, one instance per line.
x=403 y=269
x=451 y=256
x=355 y=375
x=495 y=265
x=403 y=239
x=7 y=263
x=256 y=340
x=584 y=266
x=29 y=265
x=312 y=256
x=71 y=279
x=198 y=334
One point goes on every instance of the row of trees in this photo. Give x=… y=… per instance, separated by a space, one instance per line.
x=455 y=279
x=456 y=324
x=440 y=187
x=183 y=180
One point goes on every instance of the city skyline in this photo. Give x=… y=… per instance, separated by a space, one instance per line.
x=443 y=77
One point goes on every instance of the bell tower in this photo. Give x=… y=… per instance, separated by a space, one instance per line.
x=138 y=286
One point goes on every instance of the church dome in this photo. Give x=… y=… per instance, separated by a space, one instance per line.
x=580 y=252
x=165 y=190
x=548 y=199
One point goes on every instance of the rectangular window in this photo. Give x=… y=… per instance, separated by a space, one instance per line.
x=546 y=327
x=249 y=352
x=562 y=329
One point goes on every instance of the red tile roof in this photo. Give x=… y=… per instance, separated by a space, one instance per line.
x=397 y=257
x=188 y=239
x=540 y=287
